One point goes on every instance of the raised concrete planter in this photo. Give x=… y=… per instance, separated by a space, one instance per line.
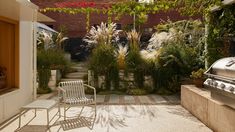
x=214 y=114
x=55 y=77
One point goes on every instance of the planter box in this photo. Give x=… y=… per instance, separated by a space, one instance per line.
x=55 y=77
x=214 y=114
x=67 y=56
x=125 y=81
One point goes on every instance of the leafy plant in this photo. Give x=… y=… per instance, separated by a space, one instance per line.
x=178 y=56
x=121 y=54
x=220 y=31
x=134 y=60
x=197 y=74
x=119 y=9
x=137 y=91
x=103 y=62
x=46 y=61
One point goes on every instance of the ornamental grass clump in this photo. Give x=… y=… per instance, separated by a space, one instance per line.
x=103 y=34
x=121 y=53
x=134 y=60
x=103 y=60
x=48 y=60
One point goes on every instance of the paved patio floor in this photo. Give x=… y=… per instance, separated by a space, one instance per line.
x=118 y=113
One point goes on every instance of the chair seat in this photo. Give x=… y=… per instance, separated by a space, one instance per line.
x=75 y=100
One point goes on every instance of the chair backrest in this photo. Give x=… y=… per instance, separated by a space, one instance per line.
x=73 y=89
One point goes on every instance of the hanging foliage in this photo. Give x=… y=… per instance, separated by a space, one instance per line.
x=220 y=33
x=141 y=10
x=195 y=7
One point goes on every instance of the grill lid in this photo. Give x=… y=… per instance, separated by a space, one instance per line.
x=221 y=81
x=223 y=69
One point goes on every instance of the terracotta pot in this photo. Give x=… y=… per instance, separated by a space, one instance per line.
x=3 y=82
x=198 y=82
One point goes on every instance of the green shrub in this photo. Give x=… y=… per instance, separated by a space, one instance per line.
x=176 y=60
x=51 y=59
x=134 y=61
x=48 y=60
x=197 y=74
x=103 y=62
x=137 y=91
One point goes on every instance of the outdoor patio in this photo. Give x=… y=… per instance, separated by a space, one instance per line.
x=140 y=65
x=147 y=116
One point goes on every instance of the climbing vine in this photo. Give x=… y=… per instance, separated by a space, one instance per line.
x=195 y=7
x=221 y=28
x=87 y=21
x=118 y=9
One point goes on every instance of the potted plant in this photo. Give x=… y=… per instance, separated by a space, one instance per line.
x=3 y=77
x=198 y=77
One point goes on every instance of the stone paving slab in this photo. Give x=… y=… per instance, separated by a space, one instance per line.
x=158 y=99
x=135 y=100
x=114 y=99
x=172 y=98
x=129 y=99
x=145 y=100
x=100 y=98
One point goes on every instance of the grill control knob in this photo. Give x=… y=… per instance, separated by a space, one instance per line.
x=209 y=82
x=222 y=85
x=231 y=88
x=215 y=84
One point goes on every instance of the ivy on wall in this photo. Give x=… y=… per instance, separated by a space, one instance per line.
x=221 y=29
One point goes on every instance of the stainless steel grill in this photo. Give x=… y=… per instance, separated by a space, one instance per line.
x=221 y=81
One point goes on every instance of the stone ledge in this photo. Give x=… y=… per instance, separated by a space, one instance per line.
x=214 y=114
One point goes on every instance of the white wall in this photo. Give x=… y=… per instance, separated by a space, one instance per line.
x=11 y=102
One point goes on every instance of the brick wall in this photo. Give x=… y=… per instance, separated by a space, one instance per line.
x=76 y=24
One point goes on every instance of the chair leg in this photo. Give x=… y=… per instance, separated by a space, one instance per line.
x=64 y=112
x=59 y=110
x=95 y=109
x=81 y=111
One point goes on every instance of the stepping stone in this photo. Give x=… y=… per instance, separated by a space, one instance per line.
x=100 y=98
x=173 y=98
x=114 y=99
x=145 y=100
x=129 y=99
x=121 y=100
x=158 y=99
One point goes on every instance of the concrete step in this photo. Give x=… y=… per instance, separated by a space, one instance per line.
x=80 y=69
x=76 y=75
x=81 y=65
x=66 y=79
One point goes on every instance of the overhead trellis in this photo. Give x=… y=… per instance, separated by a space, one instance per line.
x=114 y=9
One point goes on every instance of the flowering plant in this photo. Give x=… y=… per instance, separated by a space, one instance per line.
x=74 y=4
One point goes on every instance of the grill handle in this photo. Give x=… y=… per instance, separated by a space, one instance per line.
x=226 y=79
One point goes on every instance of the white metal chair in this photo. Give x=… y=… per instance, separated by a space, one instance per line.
x=72 y=93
